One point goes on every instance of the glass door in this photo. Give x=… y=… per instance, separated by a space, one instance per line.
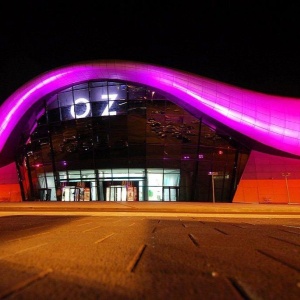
x=116 y=193
x=171 y=193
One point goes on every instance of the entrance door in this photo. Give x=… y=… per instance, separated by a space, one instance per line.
x=116 y=193
x=170 y=193
x=71 y=193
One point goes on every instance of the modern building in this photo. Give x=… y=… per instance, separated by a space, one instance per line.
x=129 y=131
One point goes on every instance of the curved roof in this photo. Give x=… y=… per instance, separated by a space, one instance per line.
x=269 y=120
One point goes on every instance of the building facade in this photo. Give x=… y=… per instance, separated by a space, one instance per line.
x=126 y=131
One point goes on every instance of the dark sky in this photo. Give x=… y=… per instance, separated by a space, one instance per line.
x=252 y=44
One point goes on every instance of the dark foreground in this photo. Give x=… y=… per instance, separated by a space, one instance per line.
x=110 y=250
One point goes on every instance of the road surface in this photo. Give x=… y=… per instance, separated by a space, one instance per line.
x=149 y=251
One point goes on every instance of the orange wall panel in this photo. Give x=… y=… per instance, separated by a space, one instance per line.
x=10 y=193
x=264 y=174
x=268 y=191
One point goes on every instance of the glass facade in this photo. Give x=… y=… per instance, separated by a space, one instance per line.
x=113 y=141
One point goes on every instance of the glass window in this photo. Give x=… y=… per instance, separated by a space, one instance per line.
x=65 y=98
x=81 y=94
x=80 y=86
x=117 y=91
x=135 y=92
x=105 y=173
x=155 y=182
x=171 y=179
x=97 y=92
x=66 y=113
x=119 y=107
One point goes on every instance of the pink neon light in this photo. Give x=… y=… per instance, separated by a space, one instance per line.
x=271 y=120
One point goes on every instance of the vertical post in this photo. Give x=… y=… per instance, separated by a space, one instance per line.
x=287 y=186
x=213 y=187
x=212 y=174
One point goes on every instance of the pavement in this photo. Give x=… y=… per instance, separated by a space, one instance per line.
x=204 y=208
x=149 y=250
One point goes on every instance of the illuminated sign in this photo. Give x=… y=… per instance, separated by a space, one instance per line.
x=87 y=110
x=106 y=111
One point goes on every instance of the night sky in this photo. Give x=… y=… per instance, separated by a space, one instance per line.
x=251 y=44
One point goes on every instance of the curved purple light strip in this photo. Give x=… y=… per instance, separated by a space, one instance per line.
x=270 y=120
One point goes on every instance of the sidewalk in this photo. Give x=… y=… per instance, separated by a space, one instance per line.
x=165 y=207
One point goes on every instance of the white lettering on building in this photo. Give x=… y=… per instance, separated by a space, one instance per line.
x=106 y=112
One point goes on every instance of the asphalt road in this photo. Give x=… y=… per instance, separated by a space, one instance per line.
x=149 y=251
